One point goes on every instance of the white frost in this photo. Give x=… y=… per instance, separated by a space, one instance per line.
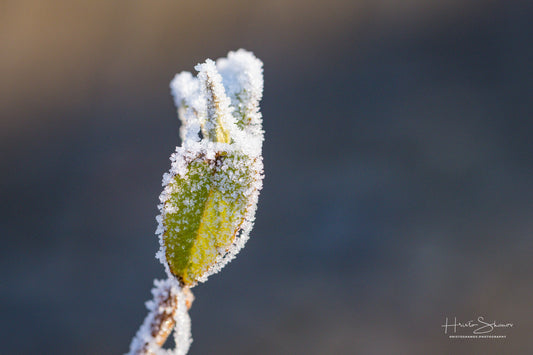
x=237 y=86
x=144 y=341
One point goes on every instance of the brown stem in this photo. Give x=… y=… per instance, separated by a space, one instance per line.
x=161 y=320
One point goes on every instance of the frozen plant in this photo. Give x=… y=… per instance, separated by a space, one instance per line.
x=209 y=198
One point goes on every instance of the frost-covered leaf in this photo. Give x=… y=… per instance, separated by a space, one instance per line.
x=210 y=195
x=243 y=78
x=203 y=211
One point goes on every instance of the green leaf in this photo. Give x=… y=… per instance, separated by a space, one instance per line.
x=204 y=212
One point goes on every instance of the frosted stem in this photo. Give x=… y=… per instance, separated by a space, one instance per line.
x=170 y=303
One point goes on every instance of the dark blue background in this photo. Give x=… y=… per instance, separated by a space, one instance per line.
x=398 y=162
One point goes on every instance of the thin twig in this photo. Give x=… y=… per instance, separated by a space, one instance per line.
x=161 y=319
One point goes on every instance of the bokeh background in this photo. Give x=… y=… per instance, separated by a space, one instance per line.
x=398 y=161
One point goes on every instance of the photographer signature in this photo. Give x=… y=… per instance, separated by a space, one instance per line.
x=480 y=327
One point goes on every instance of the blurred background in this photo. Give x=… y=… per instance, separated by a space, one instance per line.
x=398 y=162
